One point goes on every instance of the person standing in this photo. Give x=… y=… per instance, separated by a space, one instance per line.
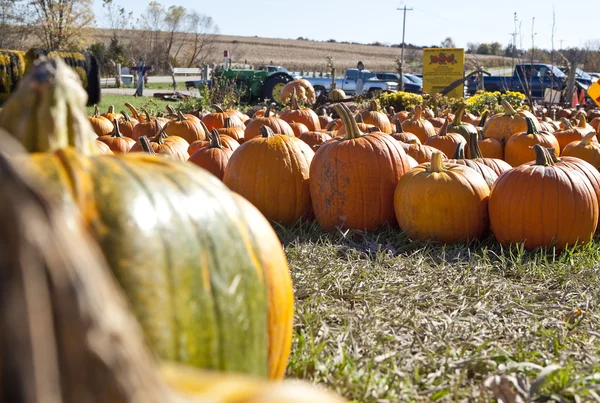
x=140 y=84
x=360 y=81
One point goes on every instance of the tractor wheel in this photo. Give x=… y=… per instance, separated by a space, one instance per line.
x=272 y=88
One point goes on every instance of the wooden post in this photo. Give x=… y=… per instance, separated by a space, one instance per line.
x=118 y=75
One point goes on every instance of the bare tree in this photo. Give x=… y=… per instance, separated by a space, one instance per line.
x=448 y=43
x=117 y=18
x=151 y=43
x=174 y=21
x=59 y=24
x=204 y=32
x=13 y=31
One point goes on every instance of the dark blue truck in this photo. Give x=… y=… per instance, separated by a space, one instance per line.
x=539 y=76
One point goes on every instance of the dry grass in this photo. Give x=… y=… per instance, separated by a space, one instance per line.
x=303 y=55
x=383 y=319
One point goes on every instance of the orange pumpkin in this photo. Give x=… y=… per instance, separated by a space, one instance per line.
x=314 y=139
x=236 y=133
x=352 y=180
x=543 y=204
x=146 y=127
x=303 y=89
x=116 y=141
x=498 y=165
x=374 y=117
x=446 y=142
x=519 y=150
x=100 y=124
x=126 y=124
x=298 y=128
x=185 y=127
x=110 y=113
x=277 y=125
x=420 y=152
x=324 y=119
x=170 y=146
x=419 y=126
x=271 y=172
x=213 y=158
x=444 y=202
x=405 y=137
x=306 y=116
x=595 y=123
x=487 y=173
x=462 y=128
x=226 y=141
x=586 y=149
x=574 y=133
x=216 y=120
x=503 y=125
x=104 y=148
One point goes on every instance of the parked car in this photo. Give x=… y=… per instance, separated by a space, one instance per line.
x=348 y=83
x=539 y=75
x=409 y=84
x=581 y=77
x=595 y=76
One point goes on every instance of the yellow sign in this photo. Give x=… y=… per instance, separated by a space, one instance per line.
x=594 y=92
x=441 y=67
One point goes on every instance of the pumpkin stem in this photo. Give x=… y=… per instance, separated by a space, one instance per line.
x=116 y=131
x=399 y=128
x=146 y=146
x=459 y=153
x=268 y=110
x=359 y=118
x=437 y=163
x=181 y=117
x=111 y=109
x=170 y=110
x=418 y=112
x=266 y=131
x=458 y=115
x=133 y=111
x=373 y=107
x=227 y=123
x=484 y=117
x=217 y=108
x=215 y=139
x=582 y=123
x=206 y=131
x=566 y=122
x=552 y=153
x=585 y=141
x=125 y=116
x=530 y=126
x=352 y=130
x=444 y=129
x=474 y=149
x=373 y=129
x=147 y=115
x=294 y=100
x=96 y=111
x=542 y=156
x=508 y=109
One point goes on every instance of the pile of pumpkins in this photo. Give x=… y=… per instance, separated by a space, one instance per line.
x=202 y=269
x=449 y=177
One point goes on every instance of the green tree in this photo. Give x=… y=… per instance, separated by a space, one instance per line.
x=495 y=48
x=483 y=49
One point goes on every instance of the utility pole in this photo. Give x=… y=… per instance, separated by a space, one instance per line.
x=401 y=64
x=514 y=42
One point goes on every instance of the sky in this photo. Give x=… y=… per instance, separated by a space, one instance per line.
x=429 y=22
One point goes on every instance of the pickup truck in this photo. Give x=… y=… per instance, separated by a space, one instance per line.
x=409 y=85
x=348 y=83
x=540 y=76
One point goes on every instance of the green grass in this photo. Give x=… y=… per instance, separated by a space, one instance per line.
x=383 y=319
x=118 y=101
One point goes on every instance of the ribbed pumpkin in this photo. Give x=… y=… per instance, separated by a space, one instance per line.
x=277 y=125
x=126 y=124
x=437 y=121
x=226 y=142
x=103 y=147
x=213 y=158
x=100 y=124
x=419 y=126
x=362 y=126
x=188 y=129
x=306 y=116
x=314 y=139
x=405 y=137
x=198 y=269
x=518 y=148
x=236 y=133
x=487 y=173
x=489 y=147
x=446 y=142
x=462 y=128
x=298 y=128
x=400 y=117
x=498 y=165
x=444 y=202
x=374 y=117
x=272 y=173
x=146 y=127
x=502 y=126
x=574 y=133
x=167 y=146
x=586 y=149
x=216 y=120
x=420 y=152
x=110 y=113
x=352 y=180
x=324 y=118
x=411 y=161
x=595 y=123
x=543 y=204
x=116 y=141
x=302 y=88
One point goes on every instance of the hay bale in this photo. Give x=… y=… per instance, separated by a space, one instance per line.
x=85 y=65
x=12 y=69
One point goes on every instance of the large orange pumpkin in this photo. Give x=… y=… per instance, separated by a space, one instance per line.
x=236 y=133
x=352 y=180
x=187 y=128
x=277 y=125
x=405 y=137
x=116 y=141
x=305 y=116
x=420 y=126
x=168 y=146
x=420 y=152
x=213 y=158
x=446 y=142
x=101 y=125
x=487 y=173
x=272 y=172
x=216 y=120
x=304 y=90
x=314 y=139
x=518 y=148
x=543 y=204
x=498 y=165
x=502 y=126
x=374 y=117
x=126 y=124
x=444 y=202
x=574 y=133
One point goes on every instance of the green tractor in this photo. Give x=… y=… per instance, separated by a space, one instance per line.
x=254 y=84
